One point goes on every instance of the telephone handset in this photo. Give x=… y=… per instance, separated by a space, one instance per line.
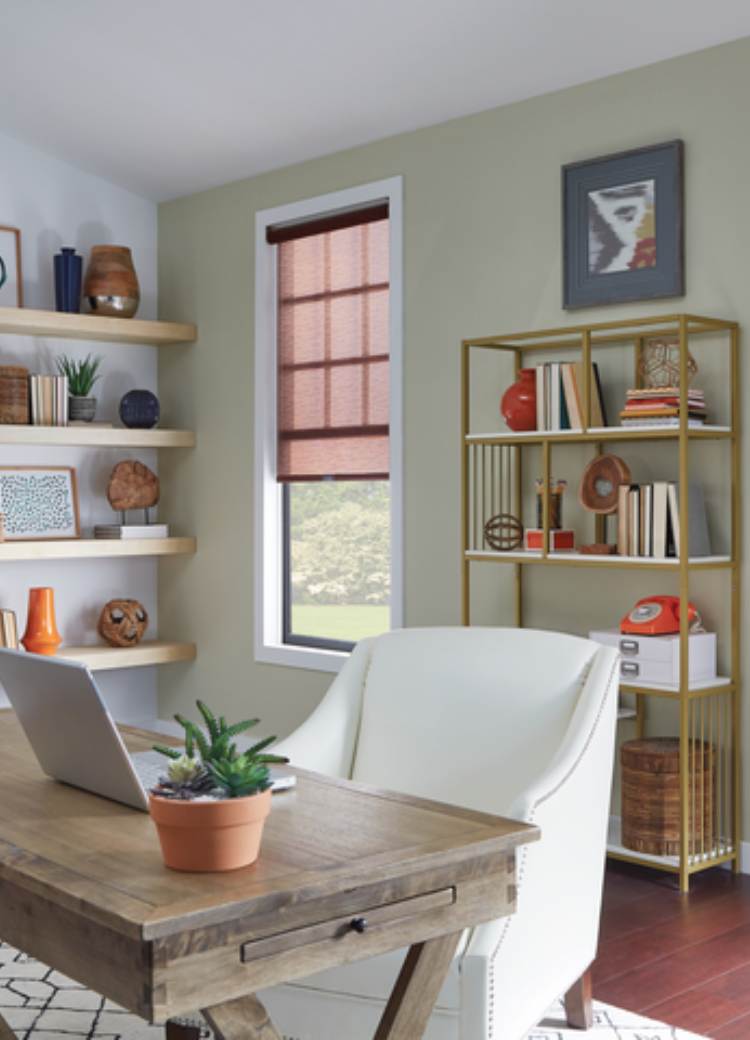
x=658 y=616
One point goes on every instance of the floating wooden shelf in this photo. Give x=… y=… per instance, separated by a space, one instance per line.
x=107 y=658
x=96 y=437
x=95 y=548
x=583 y=560
x=601 y=433
x=23 y=322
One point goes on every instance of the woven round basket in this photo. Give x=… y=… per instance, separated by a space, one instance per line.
x=14 y=395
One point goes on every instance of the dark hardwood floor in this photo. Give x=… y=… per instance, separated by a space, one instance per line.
x=681 y=959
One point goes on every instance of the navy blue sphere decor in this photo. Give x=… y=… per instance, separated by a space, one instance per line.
x=139 y=409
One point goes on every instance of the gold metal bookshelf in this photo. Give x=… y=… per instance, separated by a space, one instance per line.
x=708 y=712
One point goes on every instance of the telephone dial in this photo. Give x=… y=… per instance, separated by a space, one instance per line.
x=658 y=616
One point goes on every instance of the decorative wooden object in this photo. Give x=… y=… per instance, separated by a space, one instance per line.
x=702 y=711
x=14 y=395
x=504 y=532
x=600 y=482
x=651 y=795
x=162 y=944
x=123 y=622
x=659 y=363
x=132 y=486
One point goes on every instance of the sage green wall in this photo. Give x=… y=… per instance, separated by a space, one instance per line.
x=482 y=255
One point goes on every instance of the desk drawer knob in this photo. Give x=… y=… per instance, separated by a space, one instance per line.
x=358 y=924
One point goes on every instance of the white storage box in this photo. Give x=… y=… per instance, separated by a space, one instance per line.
x=656 y=659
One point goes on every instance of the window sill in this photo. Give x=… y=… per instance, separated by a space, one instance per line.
x=312 y=658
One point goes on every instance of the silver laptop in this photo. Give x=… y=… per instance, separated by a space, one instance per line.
x=73 y=735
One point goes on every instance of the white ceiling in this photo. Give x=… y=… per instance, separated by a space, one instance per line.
x=171 y=96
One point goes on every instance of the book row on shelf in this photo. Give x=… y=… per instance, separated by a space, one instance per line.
x=8 y=630
x=648 y=520
x=560 y=401
x=48 y=400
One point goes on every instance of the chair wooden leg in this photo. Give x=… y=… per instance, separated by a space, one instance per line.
x=578 y=1006
x=6 y=1033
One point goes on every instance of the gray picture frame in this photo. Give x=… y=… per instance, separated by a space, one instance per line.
x=661 y=163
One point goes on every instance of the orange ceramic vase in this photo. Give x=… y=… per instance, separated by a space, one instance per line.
x=210 y=835
x=41 y=635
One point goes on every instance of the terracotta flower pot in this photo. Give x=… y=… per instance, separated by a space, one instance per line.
x=41 y=635
x=210 y=835
x=111 y=285
x=518 y=403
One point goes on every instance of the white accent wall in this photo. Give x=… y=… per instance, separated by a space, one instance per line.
x=55 y=204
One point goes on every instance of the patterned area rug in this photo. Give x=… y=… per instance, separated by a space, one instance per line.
x=41 y=1004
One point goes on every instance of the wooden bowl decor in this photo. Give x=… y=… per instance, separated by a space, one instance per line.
x=598 y=492
x=504 y=532
x=123 y=622
x=132 y=486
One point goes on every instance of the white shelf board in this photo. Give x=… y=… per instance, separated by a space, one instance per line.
x=613 y=560
x=626 y=713
x=604 y=432
x=696 y=684
x=96 y=437
x=616 y=848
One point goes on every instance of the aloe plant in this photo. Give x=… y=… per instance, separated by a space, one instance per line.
x=82 y=375
x=218 y=764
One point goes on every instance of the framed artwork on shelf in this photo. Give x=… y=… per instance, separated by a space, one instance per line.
x=623 y=227
x=38 y=503
x=11 y=279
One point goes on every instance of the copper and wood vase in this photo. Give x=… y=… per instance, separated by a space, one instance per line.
x=41 y=635
x=111 y=285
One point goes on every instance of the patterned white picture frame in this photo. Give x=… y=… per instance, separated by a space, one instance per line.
x=39 y=503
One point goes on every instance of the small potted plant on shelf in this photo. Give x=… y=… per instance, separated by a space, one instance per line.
x=82 y=376
x=210 y=808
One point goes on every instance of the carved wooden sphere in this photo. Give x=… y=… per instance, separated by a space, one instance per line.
x=123 y=622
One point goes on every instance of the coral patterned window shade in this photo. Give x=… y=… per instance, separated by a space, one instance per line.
x=333 y=347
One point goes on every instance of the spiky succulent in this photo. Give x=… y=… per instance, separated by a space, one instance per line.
x=82 y=375
x=212 y=759
x=186 y=779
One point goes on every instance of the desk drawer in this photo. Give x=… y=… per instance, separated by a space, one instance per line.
x=356 y=927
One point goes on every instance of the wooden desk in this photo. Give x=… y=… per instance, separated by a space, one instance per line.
x=83 y=888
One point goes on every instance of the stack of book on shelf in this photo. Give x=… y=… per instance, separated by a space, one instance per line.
x=560 y=403
x=8 y=630
x=660 y=406
x=125 y=531
x=648 y=520
x=49 y=400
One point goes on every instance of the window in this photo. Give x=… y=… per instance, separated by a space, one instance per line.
x=328 y=425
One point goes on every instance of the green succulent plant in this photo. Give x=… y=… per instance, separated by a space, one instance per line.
x=82 y=375
x=211 y=759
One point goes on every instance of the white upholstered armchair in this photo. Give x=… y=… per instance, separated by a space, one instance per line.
x=514 y=722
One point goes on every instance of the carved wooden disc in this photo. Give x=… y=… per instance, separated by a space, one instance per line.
x=132 y=486
x=600 y=482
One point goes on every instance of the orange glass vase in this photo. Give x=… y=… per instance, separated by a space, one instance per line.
x=41 y=635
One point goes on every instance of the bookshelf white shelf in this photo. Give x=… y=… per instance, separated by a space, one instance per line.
x=94 y=437
x=600 y=433
x=721 y=852
x=26 y=322
x=533 y=556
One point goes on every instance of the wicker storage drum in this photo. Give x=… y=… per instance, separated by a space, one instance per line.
x=14 y=395
x=651 y=796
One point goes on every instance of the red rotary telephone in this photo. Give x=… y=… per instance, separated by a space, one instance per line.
x=658 y=616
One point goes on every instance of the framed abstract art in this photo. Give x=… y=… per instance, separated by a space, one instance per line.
x=39 y=502
x=623 y=227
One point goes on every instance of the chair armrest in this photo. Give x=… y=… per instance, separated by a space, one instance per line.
x=326 y=741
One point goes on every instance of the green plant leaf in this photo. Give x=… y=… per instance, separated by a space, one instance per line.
x=170 y=752
x=210 y=719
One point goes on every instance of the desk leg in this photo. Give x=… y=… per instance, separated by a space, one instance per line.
x=413 y=998
x=6 y=1033
x=241 y=1019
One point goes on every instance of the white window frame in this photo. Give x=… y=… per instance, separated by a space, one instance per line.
x=269 y=645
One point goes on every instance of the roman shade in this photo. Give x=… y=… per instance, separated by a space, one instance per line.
x=333 y=346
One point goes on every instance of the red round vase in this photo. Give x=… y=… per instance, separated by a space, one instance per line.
x=518 y=403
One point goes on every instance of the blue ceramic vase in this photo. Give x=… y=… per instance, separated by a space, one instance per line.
x=139 y=409
x=68 y=275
